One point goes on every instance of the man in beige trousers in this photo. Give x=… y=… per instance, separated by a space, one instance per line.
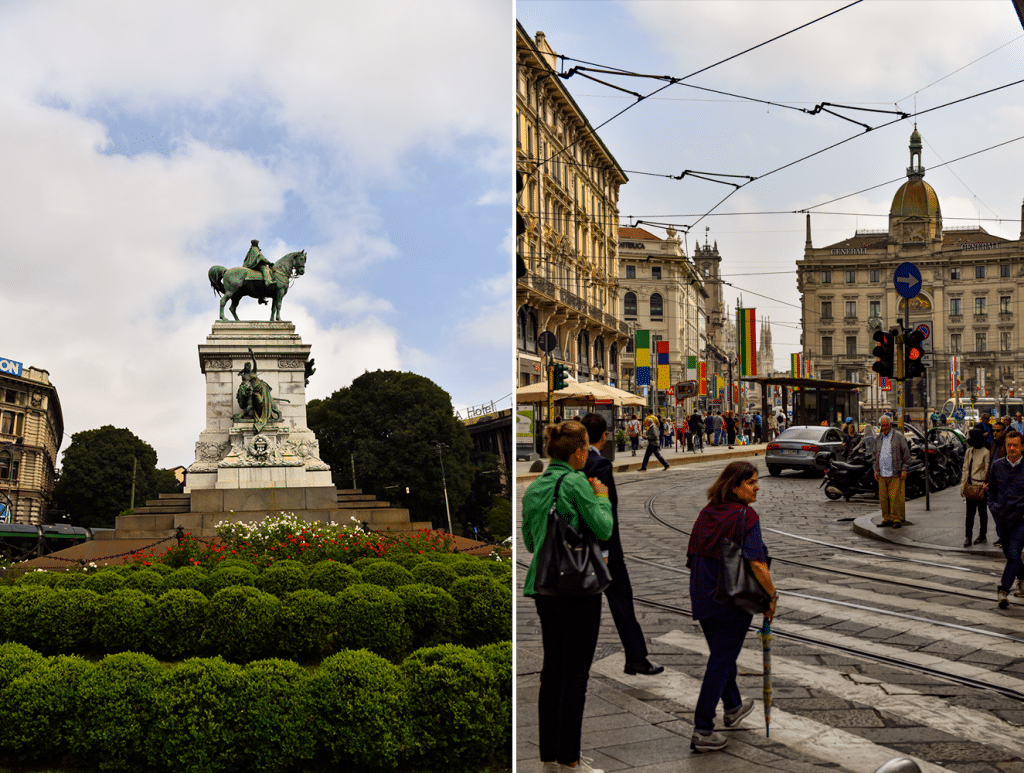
x=889 y=459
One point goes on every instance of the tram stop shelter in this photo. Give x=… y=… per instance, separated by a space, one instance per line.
x=815 y=400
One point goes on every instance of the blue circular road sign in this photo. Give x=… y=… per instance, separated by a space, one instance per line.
x=547 y=341
x=959 y=414
x=907 y=279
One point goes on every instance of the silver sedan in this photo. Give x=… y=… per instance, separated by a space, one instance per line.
x=797 y=447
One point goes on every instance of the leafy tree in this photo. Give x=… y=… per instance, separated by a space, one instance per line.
x=490 y=482
x=499 y=519
x=390 y=422
x=95 y=482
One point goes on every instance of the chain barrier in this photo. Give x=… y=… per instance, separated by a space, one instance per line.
x=84 y=563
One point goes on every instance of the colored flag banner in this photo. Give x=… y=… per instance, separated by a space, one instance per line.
x=884 y=384
x=703 y=377
x=664 y=371
x=643 y=357
x=794 y=361
x=747 y=335
x=691 y=368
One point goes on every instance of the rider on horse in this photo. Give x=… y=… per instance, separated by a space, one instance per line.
x=255 y=260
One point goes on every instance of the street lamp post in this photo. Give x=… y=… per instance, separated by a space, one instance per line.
x=444 y=485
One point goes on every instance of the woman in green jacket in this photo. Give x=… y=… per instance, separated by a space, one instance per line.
x=569 y=626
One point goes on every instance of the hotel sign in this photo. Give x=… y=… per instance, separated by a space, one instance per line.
x=10 y=367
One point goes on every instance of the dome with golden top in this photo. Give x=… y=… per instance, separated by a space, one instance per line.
x=915 y=198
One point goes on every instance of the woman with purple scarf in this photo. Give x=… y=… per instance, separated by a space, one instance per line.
x=728 y=515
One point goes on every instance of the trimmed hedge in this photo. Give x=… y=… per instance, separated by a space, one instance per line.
x=371 y=617
x=283 y=577
x=431 y=614
x=176 y=623
x=238 y=620
x=446 y=708
x=305 y=625
x=332 y=576
x=387 y=574
x=485 y=610
x=434 y=573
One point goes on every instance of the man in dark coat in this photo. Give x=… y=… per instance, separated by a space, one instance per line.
x=620 y=592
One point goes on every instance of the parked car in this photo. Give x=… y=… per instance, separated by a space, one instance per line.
x=797 y=447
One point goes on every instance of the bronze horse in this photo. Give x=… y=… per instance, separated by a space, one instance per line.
x=234 y=283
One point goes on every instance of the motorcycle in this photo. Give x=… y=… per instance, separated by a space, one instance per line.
x=850 y=478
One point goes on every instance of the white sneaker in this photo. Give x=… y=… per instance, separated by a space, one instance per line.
x=551 y=767
x=733 y=718
x=1020 y=588
x=713 y=742
x=583 y=766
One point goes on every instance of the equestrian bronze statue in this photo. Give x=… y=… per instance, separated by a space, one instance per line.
x=263 y=281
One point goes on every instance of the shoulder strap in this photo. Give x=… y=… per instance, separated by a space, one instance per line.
x=554 y=501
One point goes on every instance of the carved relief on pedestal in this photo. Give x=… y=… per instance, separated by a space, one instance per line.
x=208 y=454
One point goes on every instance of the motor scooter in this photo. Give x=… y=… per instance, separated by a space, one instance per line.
x=849 y=478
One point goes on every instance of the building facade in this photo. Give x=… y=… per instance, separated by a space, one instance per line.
x=663 y=292
x=31 y=430
x=970 y=299
x=569 y=202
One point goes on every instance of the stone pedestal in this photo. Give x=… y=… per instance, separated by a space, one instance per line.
x=232 y=453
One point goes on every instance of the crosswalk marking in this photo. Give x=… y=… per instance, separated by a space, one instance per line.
x=902 y=700
x=797 y=733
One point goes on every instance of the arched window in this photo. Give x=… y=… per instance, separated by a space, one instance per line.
x=630 y=301
x=657 y=306
x=583 y=349
x=599 y=352
x=520 y=326
x=613 y=357
x=531 y=332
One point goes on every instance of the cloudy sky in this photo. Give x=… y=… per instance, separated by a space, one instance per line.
x=145 y=142
x=889 y=55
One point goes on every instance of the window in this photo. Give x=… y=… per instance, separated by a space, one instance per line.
x=979 y=306
x=655 y=272
x=854 y=376
x=531 y=332
x=12 y=423
x=954 y=273
x=955 y=307
x=630 y=302
x=13 y=396
x=874 y=309
x=826 y=346
x=828 y=375
x=979 y=342
x=1004 y=341
x=875 y=276
x=851 y=309
x=979 y=272
x=1004 y=270
x=707 y=270
x=657 y=306
x=630 y=272
x=1004 y=304
x=8 y=467
x=851 y=345
x=826 y=277
x=851 y=277
x=826 y=309
x=629 y=345
x=583 y=349
x=956 y=343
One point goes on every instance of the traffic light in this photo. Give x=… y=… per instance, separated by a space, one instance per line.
x=561 y=376
x=914 y=349
x=885 y=352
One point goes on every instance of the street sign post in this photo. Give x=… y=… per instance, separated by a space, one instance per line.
x=907 y=280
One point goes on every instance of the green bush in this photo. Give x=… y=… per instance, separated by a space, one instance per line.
x=15 y=660
x=38 y=577
x=499 y=658
x=408 y=560
x=387 y=574
x=430 y=613
x=456 y=706
x=145 y=580
x=434 y=573
x=187 y=577
x=272 y=724
x=282 y=577
x=40 y=709
x=227 y=577
x=359 y=708
x=176 y=622
x=371 y=617
x=104 y=581
x=122 y=617
x=485 y=610
x=472 y=568
x=194 y=714
x=305 y=625
x=331 y=576
x=116 y=699
x=241 y=563
x=65 y=621
x=68 y=580
x=21 y=610
x=238 y=620
x=360 y=564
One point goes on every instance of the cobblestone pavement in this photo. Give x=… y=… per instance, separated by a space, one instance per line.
x=832 y=709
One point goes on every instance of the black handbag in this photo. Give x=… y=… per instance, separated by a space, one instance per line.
x=737 y=584
x=569 y=562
